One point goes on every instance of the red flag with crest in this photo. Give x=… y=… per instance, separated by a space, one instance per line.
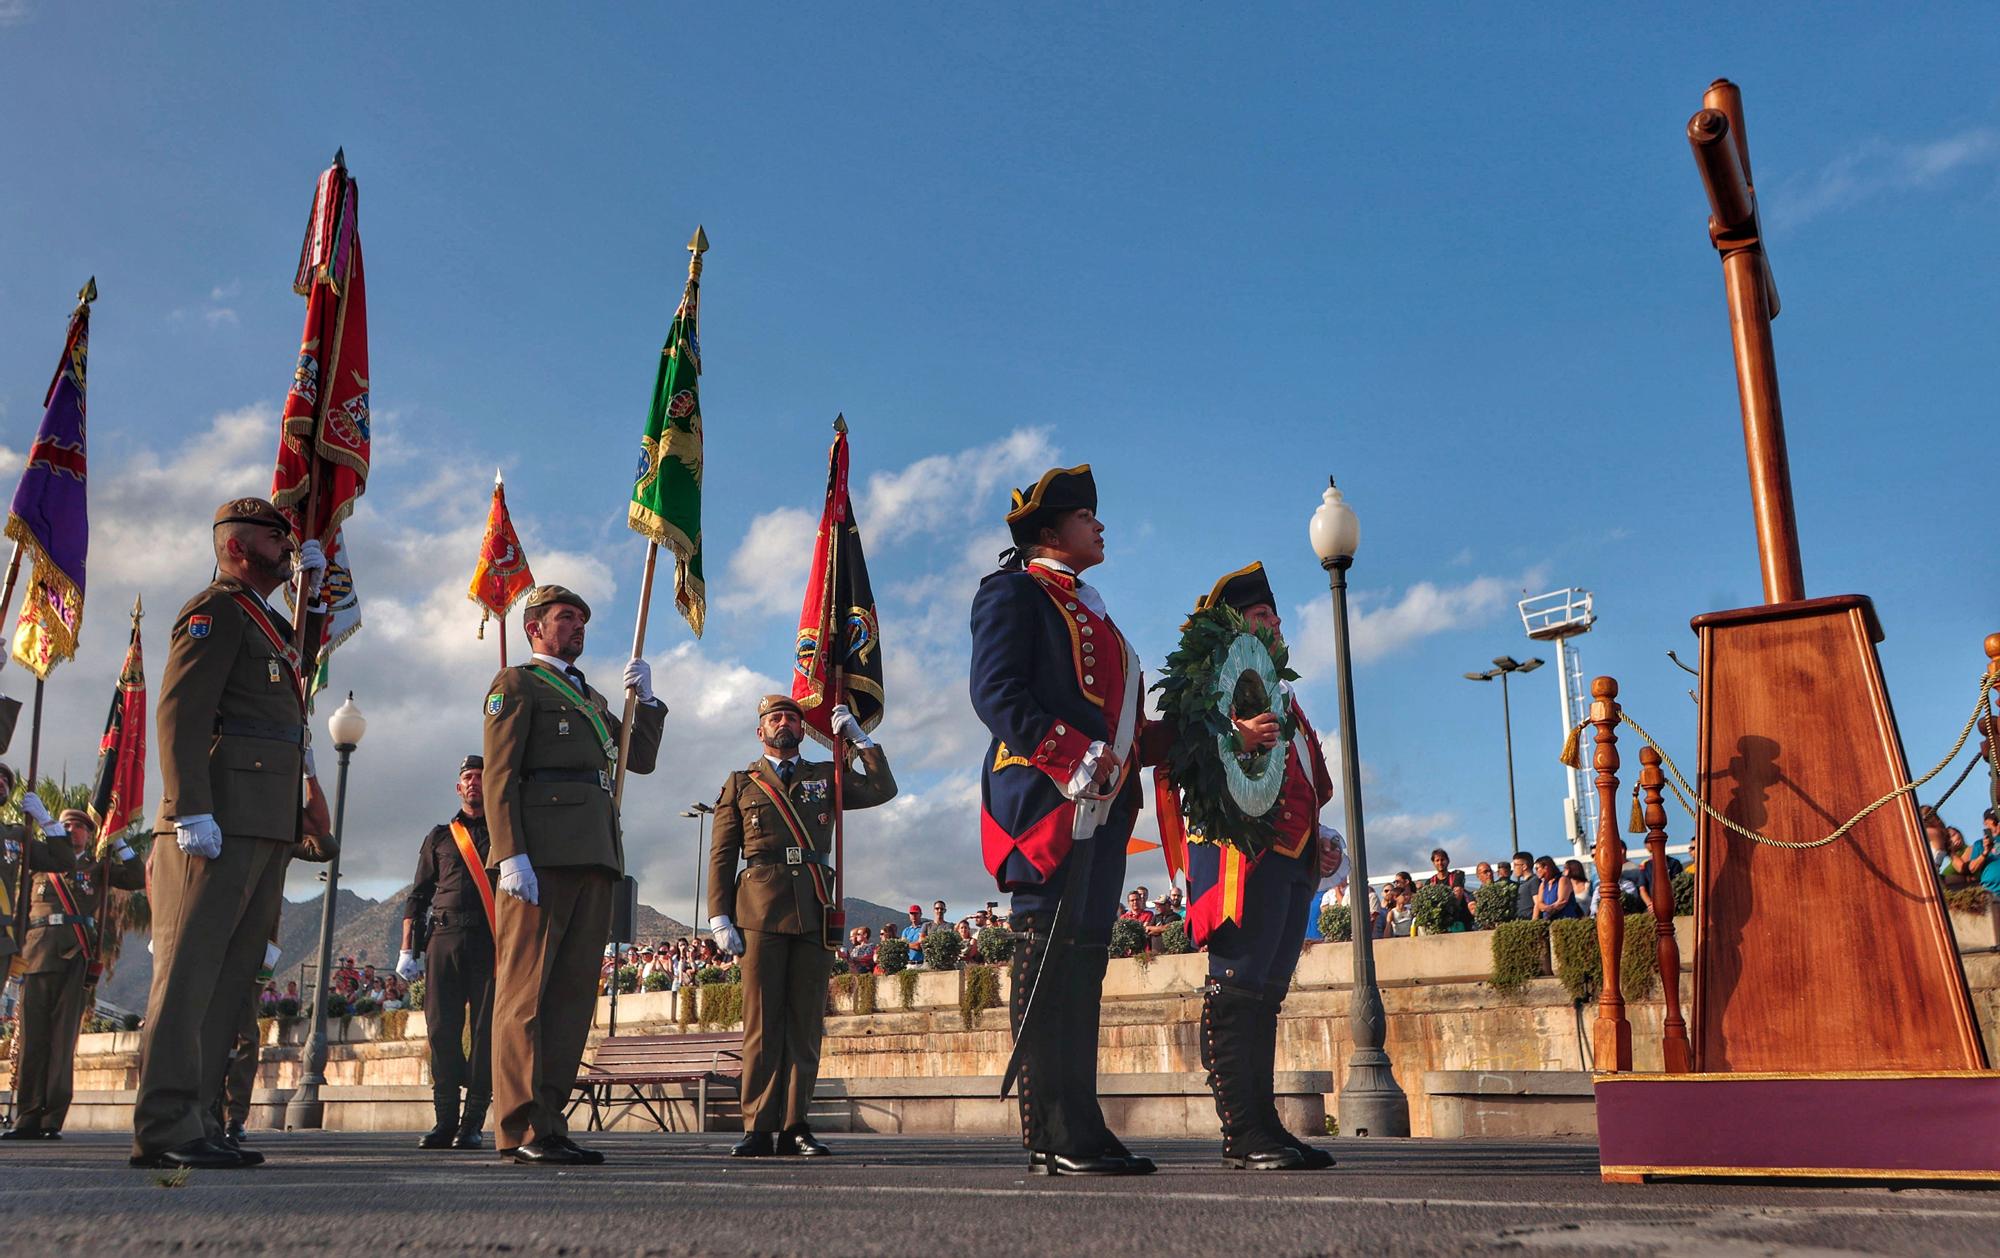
x=502 y=576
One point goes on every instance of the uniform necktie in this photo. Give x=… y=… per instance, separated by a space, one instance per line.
x=785 y=773
x=576 y=675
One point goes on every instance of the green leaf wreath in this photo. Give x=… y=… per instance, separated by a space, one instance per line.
x=1190 y=694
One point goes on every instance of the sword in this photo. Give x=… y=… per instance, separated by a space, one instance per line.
x=1091 y=812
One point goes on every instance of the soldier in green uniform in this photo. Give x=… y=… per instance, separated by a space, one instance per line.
x=550 y=746
x=777 y=817
x=63 y=941
x=231 y=738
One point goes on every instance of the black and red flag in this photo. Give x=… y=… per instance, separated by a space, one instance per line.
x=120 y=793
x=840 y=637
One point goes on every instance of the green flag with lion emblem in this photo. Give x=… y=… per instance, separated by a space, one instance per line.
x=666 y=498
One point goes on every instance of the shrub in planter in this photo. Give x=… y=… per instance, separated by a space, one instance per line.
x=1639 y=963
x=979 y=990
x=709 y=975
x=1518 y=948
x=1968 y=900
x=941 y=949
x=130 y=1022
x=628 y=979
x=996 y=943
x=336 y=1005
x=892 y=956
x=1684 y=893
x=1495 y=903
x=364 y=1006
x=659 y=981
x=1336 y=923
x=1574 y=942
x=1127 y=937
x=1435 y=908
x=721 y=1005
x=906 y=982
x=288 y=1006
x=1174 y=940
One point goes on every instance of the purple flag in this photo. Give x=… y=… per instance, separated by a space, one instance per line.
x=50 y=519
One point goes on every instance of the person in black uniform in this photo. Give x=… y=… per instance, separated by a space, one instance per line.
x=1055 y=683
x=449 y=920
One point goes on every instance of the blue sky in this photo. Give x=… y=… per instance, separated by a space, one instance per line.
x=1453 y=255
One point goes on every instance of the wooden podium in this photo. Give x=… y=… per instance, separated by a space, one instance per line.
x=1833 y=1034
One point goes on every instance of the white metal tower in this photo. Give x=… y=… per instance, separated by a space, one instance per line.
x=1558 y=617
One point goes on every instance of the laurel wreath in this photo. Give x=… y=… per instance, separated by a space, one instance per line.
x=1206 y=755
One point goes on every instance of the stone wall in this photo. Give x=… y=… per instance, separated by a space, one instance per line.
x=1443 y=1018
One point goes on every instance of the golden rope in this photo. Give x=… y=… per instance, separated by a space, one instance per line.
x=1682 y=791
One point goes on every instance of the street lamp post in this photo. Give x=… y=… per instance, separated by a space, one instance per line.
x=305 y=1110
x=1371 y=1104
x=700 y=813
x=1503 y=665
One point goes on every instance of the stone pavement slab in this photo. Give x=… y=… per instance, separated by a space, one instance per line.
x=376 y=1194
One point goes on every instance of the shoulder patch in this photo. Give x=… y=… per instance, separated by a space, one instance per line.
x=494 y=702
x=199 y=626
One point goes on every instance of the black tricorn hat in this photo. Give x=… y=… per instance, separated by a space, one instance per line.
x=1060 y=489
x=1242 y=589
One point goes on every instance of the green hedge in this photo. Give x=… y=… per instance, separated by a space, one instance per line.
x=995 y=943
x=892 y=956
x=1435 y=908
x=978 y=989
x=942 y=949
x=1684 y=893
x=1518 y=950
x=1494 y=904
x=1336 y=923
x=1581 y=968
x=1174 y=940
x=1128 y=937
x=906 y=980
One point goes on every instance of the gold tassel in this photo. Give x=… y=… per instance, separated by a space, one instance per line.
x=483 y=617
x=1570 y=749
x=1638 y=822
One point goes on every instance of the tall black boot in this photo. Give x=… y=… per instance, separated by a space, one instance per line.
x=1083 y=1007
x=470 y=1122
x=444 y=1103
x=1048 y=1131
x=1230 y=1029
x=1267 y=1052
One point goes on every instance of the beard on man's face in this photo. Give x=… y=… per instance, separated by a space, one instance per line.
x=783 y=739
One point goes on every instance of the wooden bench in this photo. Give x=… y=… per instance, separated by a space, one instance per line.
x=636 y=1062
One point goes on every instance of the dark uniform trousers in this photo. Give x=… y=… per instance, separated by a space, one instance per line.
x=51 y=1017
x=211 y=922
x=239 y=1077
x=458 y=975
x=548 y=957
x=787 y=974
x=1262 y=951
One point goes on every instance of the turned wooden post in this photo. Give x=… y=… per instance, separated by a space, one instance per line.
x=1989 y=742
x=1674 y=1033
x=1612 y=1035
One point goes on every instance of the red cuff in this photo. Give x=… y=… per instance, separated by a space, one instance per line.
x=1060 y=750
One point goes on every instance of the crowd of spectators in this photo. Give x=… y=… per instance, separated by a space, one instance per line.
x=1961 y=864
x=1542 y=888
x=665 y=965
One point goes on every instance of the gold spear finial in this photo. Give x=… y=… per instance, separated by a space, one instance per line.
x=697 y=245
x=840 y=423
x=340 y=158
x=86 y=294
x=138 y=608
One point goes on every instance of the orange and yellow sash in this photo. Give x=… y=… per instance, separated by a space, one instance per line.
x=798 y=831
x=477 y=868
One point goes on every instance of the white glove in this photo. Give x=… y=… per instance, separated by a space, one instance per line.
x=726 y=936
x=639 y=679
x=124 y=851
x=517 y=878
x=310 y=562
x=199 y=835
x=408 y=966
x=845 y=726
x=32 y=805
x=271 y=955
x=311 y=771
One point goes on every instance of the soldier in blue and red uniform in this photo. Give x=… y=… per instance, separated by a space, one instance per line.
x=1251 y=913
x=1055 y=682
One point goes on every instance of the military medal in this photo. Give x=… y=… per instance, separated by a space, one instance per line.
x=277 y=674
x=562 y=726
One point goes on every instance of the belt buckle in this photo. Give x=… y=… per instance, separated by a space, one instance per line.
x=795 y=856
x=604 y=781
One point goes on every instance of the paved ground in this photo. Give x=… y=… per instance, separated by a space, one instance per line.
x=906 y=1196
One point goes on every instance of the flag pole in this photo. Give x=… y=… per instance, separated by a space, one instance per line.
x=309 y=658
x=836 y=917
x=502 y=618
x=631 y=695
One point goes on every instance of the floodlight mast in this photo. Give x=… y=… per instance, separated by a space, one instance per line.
x=1557 y=618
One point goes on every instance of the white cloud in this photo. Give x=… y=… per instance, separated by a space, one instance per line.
x=15 y=12
x=768 y=571
x=1877 y=167
x=951 y=489
x=1380 y=626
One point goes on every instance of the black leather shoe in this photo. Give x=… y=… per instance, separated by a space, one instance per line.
x=1282 y=1158
x=1315 y=1159
x=542 y=1153
x=50 y=1133
x=248 y=1157
x=584 y=1157
x=195 y=1155
x=802 y=1143
x=465 y=1139
x=234 y=1133
x=1140 y=1164
x=21 y=1133
x=438 y=1137
x=755 y=1144
x=1097 y=1164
